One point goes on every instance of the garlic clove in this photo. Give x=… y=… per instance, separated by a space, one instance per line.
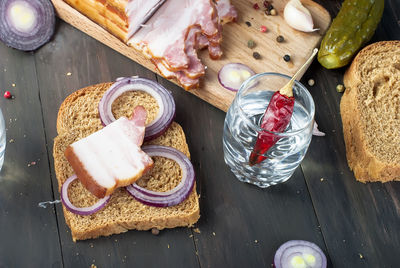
x=298 y=16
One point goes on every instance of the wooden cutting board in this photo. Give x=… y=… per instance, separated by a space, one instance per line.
x=297 y=44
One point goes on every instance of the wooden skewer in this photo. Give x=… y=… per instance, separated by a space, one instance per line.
x=287 y=90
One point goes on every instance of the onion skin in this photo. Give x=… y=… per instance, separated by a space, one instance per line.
x=175 y=196
x=223 y=75
x=299 y=247
x=31 y=38
x=164 y=98
x=80 y=211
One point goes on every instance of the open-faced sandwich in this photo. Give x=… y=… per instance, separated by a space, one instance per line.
x=121 y=162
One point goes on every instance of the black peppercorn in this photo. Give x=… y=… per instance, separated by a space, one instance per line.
x=286 y=58
x=248 y=23
x=280 y=39
x=256 y=55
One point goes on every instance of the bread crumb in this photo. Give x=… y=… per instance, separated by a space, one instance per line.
x=93 y=266
x=197 y=230
x=13 y=85
x=322 y=179
x=11 y=141
x=213 y=233
x=168 y=245
x=33 y=163
x=91 y=245
x=69 y=74
x=190 y=236
x=155 y=231
x=361 y=256
x=256 y=241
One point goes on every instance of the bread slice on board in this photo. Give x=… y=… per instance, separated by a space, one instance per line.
x=78 y=118
x=370 y=110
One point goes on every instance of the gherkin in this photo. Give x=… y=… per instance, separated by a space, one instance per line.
x=354 y=25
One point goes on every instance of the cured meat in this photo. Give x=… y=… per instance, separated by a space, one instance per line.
x=164 y=35
x=120 y=17
x=111 y=157
x=226 y=11
x=168 y=32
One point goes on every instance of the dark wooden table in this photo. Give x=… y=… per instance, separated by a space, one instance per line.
x=357 y=225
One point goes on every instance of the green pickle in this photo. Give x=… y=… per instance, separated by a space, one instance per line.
x=350 y=30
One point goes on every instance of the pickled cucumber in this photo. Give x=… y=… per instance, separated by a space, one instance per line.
x=354 y=25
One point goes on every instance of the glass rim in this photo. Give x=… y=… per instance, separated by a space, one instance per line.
x=260 y=129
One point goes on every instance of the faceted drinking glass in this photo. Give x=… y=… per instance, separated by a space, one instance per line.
x=242 y=126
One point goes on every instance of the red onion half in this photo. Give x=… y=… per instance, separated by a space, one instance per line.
x=80 y=211
x=26 y=25
x=232 y=75
x=166 y=103
x=174 y=196
x=299 y=253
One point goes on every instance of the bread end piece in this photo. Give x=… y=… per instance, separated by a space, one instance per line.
x=361 y=108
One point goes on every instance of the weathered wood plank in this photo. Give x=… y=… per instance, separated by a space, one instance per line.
x=28 y=233
x=360 y=222
x=90 y=62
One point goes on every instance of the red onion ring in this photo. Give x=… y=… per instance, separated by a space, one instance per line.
x=80 y=211
x=308 y=253
x=35 y=32
x=174 y=196
x=225 y=79
x=166 y=103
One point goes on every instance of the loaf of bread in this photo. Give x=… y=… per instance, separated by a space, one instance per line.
x=370 y=110
x=77 y=118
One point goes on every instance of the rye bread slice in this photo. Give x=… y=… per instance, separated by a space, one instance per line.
x=78 y=118
x=370 y=110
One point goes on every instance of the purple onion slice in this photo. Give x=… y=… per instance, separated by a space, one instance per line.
x=80 y=211
x=299 y=254
x=232 y=75
x=166 y=103
x=26 y=25
x=174 y=196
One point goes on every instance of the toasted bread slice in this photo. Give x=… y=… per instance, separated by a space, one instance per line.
x=78 y=118
x=370 y=110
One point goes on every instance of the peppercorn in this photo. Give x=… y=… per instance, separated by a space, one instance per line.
x=280 y=39
x=267 y=4
x=311 y=82
x=248 y=23
x=263 y=28
x=272 y=12
x=267 y=12
x=340 y=88
x=7 y=95
x=286 y=58
x=251 y=44
x=256 y=55
x=256 y=6
x=155 y=231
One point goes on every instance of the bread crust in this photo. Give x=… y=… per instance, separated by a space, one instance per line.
x=123 y=212
x=366 y=166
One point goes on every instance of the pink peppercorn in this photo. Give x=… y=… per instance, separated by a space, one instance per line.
x=263 y=28
x=256 y=6
x=7 y=95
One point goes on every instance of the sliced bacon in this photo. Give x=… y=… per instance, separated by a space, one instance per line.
x=226 y=11
x=164 y=35
x=111 y=157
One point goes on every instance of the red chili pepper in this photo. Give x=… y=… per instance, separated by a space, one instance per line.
x=7 y=94
x=256 y=6
x=263 y=28
x=276 y=118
